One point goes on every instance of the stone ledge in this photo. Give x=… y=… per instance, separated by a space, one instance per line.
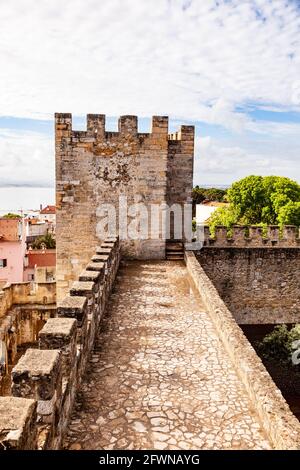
x=95 y=266
x=36 y=362
x=63 y=327
x=37 y=374
x=17 y=423
x=106 y=246
x=72 y=307
x=82 y=288
x=104 y=250
x=89 y=275
x=102 y=257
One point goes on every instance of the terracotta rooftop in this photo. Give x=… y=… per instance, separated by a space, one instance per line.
x=48 y=210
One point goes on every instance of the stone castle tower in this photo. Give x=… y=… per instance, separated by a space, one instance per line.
x=95 y=167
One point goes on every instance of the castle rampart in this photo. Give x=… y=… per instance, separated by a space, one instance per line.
x=255 y=271
x=240 y=236
x=45 y=380
x=280 y=425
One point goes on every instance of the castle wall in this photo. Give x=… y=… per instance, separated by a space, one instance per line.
x=96 y=167
x=25 y=293
x=45 y=380
x=280 y=425
x=253 y=236
x=259 y=284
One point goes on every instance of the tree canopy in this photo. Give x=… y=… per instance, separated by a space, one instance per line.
x=10 y=215
x=264 y=200
x=210 y=194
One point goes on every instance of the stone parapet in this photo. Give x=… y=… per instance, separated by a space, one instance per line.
x=258 y=284
x=281 y=426
x=253 y=237
x=45 y=380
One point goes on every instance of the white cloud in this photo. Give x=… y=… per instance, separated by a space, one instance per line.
x=189 y=59
x=27 y=158
x=134 y=56
x=217 y=162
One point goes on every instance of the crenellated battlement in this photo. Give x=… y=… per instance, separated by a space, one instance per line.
x=97 y=166
x=127 y=127
x=253 y=236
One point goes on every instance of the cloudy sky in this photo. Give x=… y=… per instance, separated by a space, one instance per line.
x=231 y=67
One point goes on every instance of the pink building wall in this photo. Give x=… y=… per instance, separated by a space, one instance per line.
x=14 y=252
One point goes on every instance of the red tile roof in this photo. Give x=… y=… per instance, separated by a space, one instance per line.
x=48 y=210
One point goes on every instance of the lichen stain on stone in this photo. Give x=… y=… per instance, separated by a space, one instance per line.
x=114 y=176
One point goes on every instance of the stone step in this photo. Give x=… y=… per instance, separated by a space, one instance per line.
x=174 y=247
x=172 y=256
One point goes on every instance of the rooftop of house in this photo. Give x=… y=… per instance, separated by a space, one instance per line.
x=48 y=210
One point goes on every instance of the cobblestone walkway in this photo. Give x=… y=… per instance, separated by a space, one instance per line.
x=159 y=377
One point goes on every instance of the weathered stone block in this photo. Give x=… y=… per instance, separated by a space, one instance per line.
x=92 y=276
x=60 y=333
x=18 y=430
x=102 y=255
x=107 y=244
x=37 y=374
x=82 y=288
x=95 y=266
x=73 y=307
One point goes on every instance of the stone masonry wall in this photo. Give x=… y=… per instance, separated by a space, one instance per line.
x=96 y=167
x=45 y=380
x=180 y=170
x=24 y=293
x=281 y=426
x=259 y=285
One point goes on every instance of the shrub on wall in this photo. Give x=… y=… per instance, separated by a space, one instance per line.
x=278 y=345
x=45 y=241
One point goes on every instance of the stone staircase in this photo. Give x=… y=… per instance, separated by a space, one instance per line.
x=174 y=250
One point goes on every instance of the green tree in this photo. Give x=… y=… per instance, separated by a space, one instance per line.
x=226 y=216
x=247 y=197
x=10 y=215
x=260 y=200
x=289 y=214
x=210 y=194
x=46 y=240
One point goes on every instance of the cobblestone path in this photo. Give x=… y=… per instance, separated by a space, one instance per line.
x=159 y=377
